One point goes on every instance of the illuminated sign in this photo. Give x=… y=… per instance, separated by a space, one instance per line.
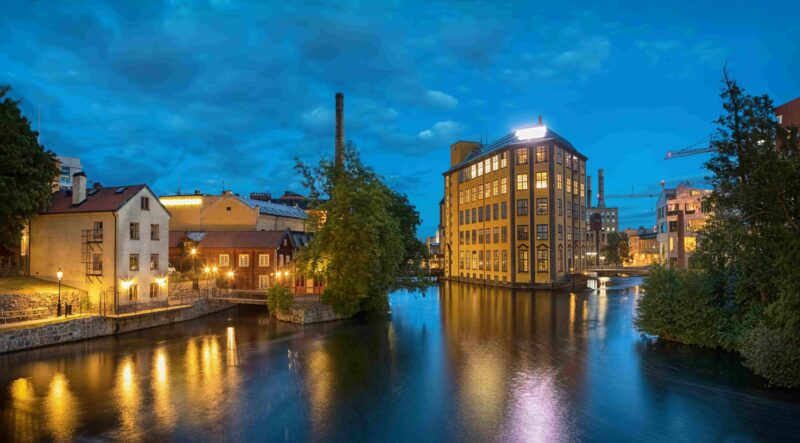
x=531 y=133
x=182 y=201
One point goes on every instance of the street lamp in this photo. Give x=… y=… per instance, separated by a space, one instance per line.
x=59 y=274
x=230 y=275
x=193 y=253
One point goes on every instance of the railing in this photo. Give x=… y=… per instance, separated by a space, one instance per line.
x=24 y=315
x=73 y=302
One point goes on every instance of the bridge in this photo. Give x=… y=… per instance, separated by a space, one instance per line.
x=254 y=297
x=605 y=271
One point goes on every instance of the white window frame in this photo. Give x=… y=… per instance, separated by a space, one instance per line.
x=224 y=260
x=263 y=260
x=244 y=260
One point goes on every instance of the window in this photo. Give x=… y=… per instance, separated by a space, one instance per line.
x=522 y=232
x=474 y=237
x=495 y=211
x=487 y=165
x=473 y=171
x=263 y=281
x=504 y=159
x=466 y=197
x=488 y=213
x=480 y=214
x=575 y=187
x=480 y=260
x=522 y=207
x=496 y=162
x=503 y=212
x=583 y=190
x=460 y=217
x=504 y=261
x=154 y=287
x=487 y=191
x=134 y=231
x=460 y=239
x=569 y=186
x=474 y=192
x=97 y=263
x=522 y=182
x=474 y=215
x=522 y=260
x=460 y=197
x=153 y=262
x=569 y=160
x=480 y=236
x=496 y=235
x=522 y=156
x=541 y=206
x=145 y=201
x=559 y=153
x=541 y=180
x=467 y=264
x=133 y=262
x=560 y=258
x=228 y=208
x=224 y=260
x=560 y=207
x=503 y=234
x=244 y=260
x=466 y=217
x=263 y=260
x=541 y=154
x=495 y=188
x=541 y=232
x=496 y=261
x=504 y=185
x=480 y=169
x=542 y=260
x=474 y=260
x=133 y=292
x=559 y=179
x=480 y=191
x=560 y=232
x=154 y=232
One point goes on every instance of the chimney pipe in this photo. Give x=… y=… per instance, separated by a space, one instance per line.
x=339 y=151
x=601 y=190
x=588 y=191
x=78 y=188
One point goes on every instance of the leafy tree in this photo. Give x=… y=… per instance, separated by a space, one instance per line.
x=279 y=299
x=365 y=242
x=748 y=253
x=27 y=170
x=616 y=248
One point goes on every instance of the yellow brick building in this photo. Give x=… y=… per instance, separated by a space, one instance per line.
x=515 y=210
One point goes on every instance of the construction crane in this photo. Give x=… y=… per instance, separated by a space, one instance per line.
x=693 y=149
x=687 y=182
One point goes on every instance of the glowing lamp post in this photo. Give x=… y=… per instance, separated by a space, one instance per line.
x=193 y=253
x=230 y=275
x=59 y=274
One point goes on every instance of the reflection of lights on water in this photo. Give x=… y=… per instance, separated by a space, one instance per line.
x=162 y=405
x=538 y=411
x=484 y=385
x=23 y=420
x=128 y=399
x=60 y=408
x=232 y=353
x=320 y=383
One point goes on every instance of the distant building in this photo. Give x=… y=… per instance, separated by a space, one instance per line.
x=68 y=166
x=436 y=261
x=680 y=215
x=256 y=259
x=609 y=222
x=514 y=210
x=230 y=212
x=643 y=247
x=111 y=242
x=788 y=114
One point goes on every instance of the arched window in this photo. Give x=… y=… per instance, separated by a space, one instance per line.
x=542 y=259
x=522 y=259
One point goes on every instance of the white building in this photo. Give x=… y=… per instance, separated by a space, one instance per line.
x=68 y=166
x=112 y=242
x=680 y=215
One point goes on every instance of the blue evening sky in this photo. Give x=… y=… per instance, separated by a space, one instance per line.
x=194 y=93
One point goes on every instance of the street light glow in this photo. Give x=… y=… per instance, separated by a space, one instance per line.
x=59 y=274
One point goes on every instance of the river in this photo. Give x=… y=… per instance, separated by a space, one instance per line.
x=465 y=363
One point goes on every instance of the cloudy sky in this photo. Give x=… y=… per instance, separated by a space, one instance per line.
x=197 y=93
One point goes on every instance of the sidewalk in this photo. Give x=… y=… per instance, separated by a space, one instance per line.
x=40 y=322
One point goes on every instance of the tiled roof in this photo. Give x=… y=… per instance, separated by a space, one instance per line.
x=510 y=140
x=231 y=239
x=97 y=200
x=270 y=208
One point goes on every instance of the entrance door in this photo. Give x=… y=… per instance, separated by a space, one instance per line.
x=263 y=281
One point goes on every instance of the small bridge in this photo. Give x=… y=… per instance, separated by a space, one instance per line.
x=254 y=297
x=605 y=271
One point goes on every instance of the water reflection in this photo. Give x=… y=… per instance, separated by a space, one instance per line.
x=22 y=419
x=61 y=408
x=163 y=407
x=128 y=399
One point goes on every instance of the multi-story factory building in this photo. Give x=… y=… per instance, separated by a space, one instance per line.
x=515 y=210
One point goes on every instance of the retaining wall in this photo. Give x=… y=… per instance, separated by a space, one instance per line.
x=309 y=312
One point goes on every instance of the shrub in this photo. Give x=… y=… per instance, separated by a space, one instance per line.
x=773 y=353
x=279 y=299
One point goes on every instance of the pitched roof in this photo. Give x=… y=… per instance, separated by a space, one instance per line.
x=97 y=200
x=270 y=208
x=231 y=239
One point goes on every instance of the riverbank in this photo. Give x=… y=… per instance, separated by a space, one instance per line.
x=88 y=327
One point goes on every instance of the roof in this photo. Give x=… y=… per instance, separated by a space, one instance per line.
x=301 y=239
x=231 y=239
x=512 y=140
x=270 y=208
x=97 y=200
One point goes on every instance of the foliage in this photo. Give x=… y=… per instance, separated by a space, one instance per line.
x=27 y=170
x=279 y=299
x=748 y=253
x=616 y=248
x=366 y=245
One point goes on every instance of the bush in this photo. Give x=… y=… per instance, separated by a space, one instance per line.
x=774 y=354
x=279 y=299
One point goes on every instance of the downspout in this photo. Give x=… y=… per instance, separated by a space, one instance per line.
x=116 y=299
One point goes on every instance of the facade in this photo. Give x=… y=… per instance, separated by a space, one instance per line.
x=643 y=247
x=680 y=214
x=788 y=114
x=609 y=222
x=230 y=212
x=68 y=166
x=111 y=242
x=514 y=211
x=245 y=260
x=436 y=262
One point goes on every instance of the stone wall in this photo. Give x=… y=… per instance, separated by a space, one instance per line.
x=97 y=326
x=38 y=302
x=303 y=313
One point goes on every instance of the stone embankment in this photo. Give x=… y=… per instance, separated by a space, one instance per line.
x=97 y=326
x=303 y=313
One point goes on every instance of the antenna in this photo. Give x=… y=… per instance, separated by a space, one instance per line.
x=39 y=124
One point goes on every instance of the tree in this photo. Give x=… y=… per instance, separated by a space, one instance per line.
x=616 y=249
x=748 y=251
x=366 y=243
x=27 y=170
x=279 y=299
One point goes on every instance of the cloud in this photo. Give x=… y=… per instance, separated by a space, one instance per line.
x=440 y=99
x=442 y=132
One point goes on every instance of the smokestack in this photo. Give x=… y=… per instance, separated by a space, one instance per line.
x=588 y=191
x=601 y=190
x=339 y=152
x=78 y=188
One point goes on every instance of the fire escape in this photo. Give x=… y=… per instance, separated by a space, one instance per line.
x=92 y=257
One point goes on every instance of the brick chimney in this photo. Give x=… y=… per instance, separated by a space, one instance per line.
x=339 y=151
x=601 y=189
x=78 y=188
x=589 y=198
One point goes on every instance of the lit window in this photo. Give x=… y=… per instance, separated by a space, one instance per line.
x=504 y=159
x=542 y=260
x=569 y=186
x=504 y=185
x=487 y=191
x=480 y=169
x=522 y=182
x=522 y=260
x=541 y=180
x=495 y=187
x=263 y=260
x=133 y=262
x=487 y=165
x=224 y=260
x=244 y=260
x=496 y=162
x=541 y=154
x=559 y=181
x=522 y=155
x=153 y=262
